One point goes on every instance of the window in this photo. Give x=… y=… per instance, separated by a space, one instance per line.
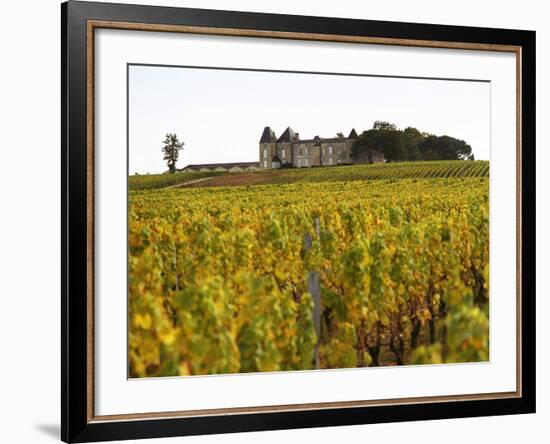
x=306 y=151
x=307 y=162
x=265 y=163
x=330 y=161
x=299 y=162
x=300 y=151
x=330 y=150
x=265 y=153
x=283 y=153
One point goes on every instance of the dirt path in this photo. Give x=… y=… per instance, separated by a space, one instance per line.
x=235 y=180
x=191 y=182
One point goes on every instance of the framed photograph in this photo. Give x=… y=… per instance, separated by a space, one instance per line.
x=275 y=221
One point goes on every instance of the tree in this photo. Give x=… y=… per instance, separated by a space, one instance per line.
x=171 y=149
x=383 y=125
x=408 y=144
x=391 y=142
x=444 y=148
x=364 y=146
x=384 y=138
x=411 y=140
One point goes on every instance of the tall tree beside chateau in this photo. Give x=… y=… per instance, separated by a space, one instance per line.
x=171 y=148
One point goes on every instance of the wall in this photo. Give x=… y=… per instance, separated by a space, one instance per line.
x=30 y=203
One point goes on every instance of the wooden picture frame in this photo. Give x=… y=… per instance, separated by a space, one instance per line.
x=79 y=22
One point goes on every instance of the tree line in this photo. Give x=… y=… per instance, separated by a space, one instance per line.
x=408 y=144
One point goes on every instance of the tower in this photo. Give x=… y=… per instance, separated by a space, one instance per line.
x=267 y=146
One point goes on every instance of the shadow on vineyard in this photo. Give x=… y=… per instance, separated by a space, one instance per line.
x=324 y=268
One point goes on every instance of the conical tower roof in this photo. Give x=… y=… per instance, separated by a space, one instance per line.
x=268 y=136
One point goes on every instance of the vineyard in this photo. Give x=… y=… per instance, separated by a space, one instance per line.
x=154 y=181
x=220 y=279
x=432 y=169
x=402 y=170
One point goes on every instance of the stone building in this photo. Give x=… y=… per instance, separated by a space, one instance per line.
x=290 y=151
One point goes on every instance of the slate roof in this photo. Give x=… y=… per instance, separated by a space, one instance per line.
x=352 y=134
x=288 y=136
x=268 y=136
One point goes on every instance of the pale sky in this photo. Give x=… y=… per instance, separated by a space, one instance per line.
x=220 y=114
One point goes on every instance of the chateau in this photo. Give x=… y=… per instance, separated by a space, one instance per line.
x=290 y=151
